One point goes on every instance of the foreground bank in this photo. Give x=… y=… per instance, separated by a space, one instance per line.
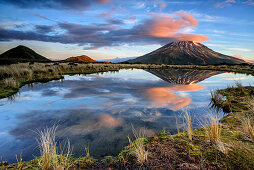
x=228 y=144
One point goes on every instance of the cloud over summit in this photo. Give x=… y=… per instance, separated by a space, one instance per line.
x=159 y=28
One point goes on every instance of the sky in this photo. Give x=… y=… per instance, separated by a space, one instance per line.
x=104 y=29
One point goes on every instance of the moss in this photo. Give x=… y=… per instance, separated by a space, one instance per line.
x=84 y=162
x=6 y=92
x=110 y=160
x=237 y=98
x=241 y=158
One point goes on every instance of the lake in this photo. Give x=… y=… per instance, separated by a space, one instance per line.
x=101 y=110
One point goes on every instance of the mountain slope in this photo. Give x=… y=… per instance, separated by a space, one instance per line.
x=84 y=59
x=21 y=53
x=186 y=53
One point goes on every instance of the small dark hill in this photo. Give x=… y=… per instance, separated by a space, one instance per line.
x=21 y=54
x=186 y=53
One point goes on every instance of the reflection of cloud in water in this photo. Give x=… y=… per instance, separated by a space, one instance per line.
x=48 y=104
x=84 y=127
x=165 y=96
x=236 y=78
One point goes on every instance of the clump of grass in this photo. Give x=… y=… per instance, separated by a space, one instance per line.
x=47 y=147
x=19 y=161
x=216 y=101
x=141 y=132
x=240 y=87
x=140 y=152
x=87 y=151
x=49 y=158
x=188 y=125
x=247 y=127
x=223 y=147
x=136 y=148
x=11 y=83
x=213 y=132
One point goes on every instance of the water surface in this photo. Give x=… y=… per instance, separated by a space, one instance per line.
x=100 y=109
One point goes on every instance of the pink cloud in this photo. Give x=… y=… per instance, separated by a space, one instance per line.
x=102 y=1
x=164 y=25
x=132 y=18
x=109 y=121
x=165 y=96
x=163 y=5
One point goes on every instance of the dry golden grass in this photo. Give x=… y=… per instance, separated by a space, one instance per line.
x=138 y=147
x=140 y=152
x=188 y=123
x=213 y=131
x=87 y=150
x=11 y=83
x=247 y=127
x=224 y=147
x=49 y=158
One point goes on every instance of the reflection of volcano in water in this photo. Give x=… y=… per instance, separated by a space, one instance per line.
x=182 y=76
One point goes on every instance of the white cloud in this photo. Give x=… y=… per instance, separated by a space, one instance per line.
x=239 y=49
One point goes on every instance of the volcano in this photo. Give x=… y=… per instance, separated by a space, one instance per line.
x=186 y=53
x=21 y=54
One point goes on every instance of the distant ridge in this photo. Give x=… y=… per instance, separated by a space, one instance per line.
x=186 y=53
x=21 y=54
x=84 y=59
x=119 y=60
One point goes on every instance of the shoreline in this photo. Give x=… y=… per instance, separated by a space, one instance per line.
x=13 y=77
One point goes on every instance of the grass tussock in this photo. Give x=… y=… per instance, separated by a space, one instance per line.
x=213 y=132
x=49 y=158
x=138 y=146
x=11 y=83
x=140 y=152
x=188 y=125
x=247 y=127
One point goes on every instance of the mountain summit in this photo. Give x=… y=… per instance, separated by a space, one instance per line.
x=186 y=53
x=21 y=54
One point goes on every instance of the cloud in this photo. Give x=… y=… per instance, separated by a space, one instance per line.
x=249 y=2
x=240 y=57
x=110 y=20
x=41 y=16
x=132 y=18
x=157 y=29
x=55 y=4
x=239 y=49
x=8 y=25
x=164 y=25
x=224 y=3
x=163 y=5
x=44 y=28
